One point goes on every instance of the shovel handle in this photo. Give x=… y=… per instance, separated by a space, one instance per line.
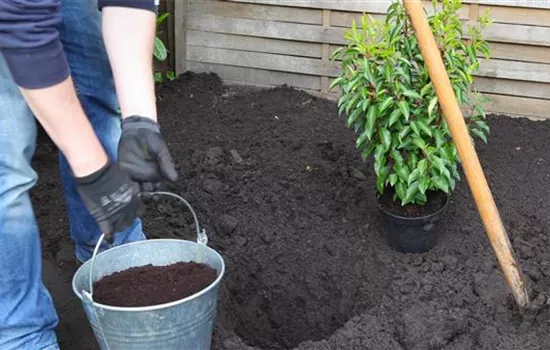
x=468 y=156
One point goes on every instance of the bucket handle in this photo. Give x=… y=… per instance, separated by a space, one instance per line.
x=202 y=240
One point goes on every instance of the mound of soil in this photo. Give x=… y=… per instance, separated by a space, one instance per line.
x=153 y=285
x=286 y=199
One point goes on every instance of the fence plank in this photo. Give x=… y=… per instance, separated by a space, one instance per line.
x=513 y=87
x=258 y=76
x=534 y=17
x=379 y=6
x=267 y=29
x=344 y=19
x=260 y=60
x=518 y=106
x=253 y=11
x=528 y=71
x=180 y=29
x=253 y=44
x=370 y=6
x=526 y=53
x=512 y=33
x=538 y=4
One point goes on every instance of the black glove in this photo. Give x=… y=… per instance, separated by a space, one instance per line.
x=111 y=198
x=143 y=153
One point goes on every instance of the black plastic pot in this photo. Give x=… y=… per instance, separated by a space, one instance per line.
x=412 y=234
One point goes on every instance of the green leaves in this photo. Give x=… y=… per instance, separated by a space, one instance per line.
x=160 y=52
x=371 y=119
x=385 y=137
x=404 y=107
x=389 y=100
x=412 y=94
x=384 y=105
x=394 y=117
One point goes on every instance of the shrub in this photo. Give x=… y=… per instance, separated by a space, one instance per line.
x=390 y=103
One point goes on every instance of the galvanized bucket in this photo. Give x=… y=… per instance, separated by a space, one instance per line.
x=185 y=324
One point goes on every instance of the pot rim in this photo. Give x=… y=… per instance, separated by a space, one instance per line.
x=409 y=218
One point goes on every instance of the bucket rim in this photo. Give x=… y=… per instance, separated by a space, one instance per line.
x=151 y=307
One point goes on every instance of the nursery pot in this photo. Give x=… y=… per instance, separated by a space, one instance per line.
x=407 y=234
x=185 y=324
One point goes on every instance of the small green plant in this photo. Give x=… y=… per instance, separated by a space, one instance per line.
x=390 y=103
x=160 y=52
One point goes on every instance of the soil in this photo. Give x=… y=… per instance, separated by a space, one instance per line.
x=285 y=198
x=153 y=285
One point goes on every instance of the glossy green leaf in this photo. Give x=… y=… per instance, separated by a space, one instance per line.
x=415 y=174
x=393 y=179
x=400 y=189
x=419 y=142
x=404 y=107
x=353 y=116
x=412 y=94
x=415 y=128
x=385 y=136
x=424 y=127
x=361 y=139
x=422 y=166
x=425 y=89
x=440 y=165
x=336 y=82
x=394 y=117
x=441 y=183
x=404 y=132
x=438 y=135
x=411 y=192
x=368 y=151
x=423 y=184
x=351 y=103
x=397 y=157
x=479 y=134
x=160 y=52
x=402 y=171
x=371 y=120
x=385 y=104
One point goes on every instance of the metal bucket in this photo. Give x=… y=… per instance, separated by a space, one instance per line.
x=185 y=324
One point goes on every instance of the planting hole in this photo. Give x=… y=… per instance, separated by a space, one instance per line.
x=283 y=296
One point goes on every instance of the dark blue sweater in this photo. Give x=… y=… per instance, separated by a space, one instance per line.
x=29 y=39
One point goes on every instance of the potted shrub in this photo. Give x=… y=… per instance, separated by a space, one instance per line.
x=391 y=105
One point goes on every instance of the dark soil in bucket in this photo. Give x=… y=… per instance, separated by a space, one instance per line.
x=287 y=201
x=153 y=285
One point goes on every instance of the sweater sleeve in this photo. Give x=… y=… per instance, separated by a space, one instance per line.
x=30 y=44
x=150 y=5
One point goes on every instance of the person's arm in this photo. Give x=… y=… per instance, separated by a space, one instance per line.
x=30 y=45
x=129 y=28
x=32 y=50
x=129 y=35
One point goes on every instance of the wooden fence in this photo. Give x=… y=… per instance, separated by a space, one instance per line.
x=273 y=42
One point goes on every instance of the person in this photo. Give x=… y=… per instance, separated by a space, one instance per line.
x=83 y=69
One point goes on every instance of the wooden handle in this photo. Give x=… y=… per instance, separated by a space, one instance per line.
x=468 y=156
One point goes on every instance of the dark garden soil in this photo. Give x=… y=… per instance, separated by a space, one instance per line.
x=153 y=285
x=287 y=201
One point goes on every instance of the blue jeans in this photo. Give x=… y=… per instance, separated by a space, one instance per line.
x=27 y=314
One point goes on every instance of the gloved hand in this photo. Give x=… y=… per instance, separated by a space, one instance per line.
x=143 y=153
x=111 y=198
